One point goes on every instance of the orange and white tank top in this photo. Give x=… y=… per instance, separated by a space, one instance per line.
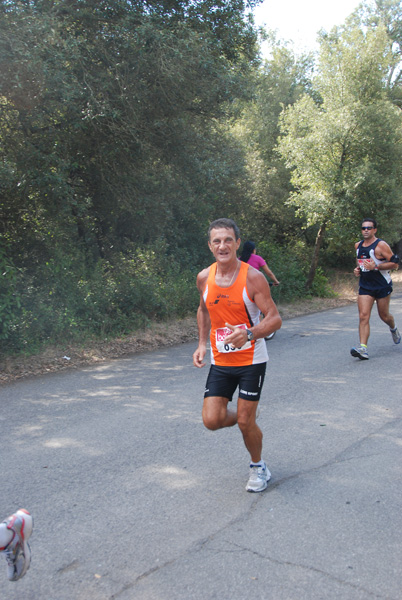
x=232 y=305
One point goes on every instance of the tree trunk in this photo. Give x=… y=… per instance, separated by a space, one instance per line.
x=314 y=262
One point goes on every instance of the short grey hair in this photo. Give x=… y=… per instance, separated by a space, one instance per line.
x=225 y=224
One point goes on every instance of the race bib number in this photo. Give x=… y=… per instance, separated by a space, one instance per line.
x=361 y=264
x=225 y=347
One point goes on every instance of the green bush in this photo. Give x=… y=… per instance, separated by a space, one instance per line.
x=64 y=300
x=10 y=302
x=291 y=266
x=321 y=286
x=68 y=298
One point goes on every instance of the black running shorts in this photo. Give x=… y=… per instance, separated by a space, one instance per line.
x=377 y=294
x=223 y=381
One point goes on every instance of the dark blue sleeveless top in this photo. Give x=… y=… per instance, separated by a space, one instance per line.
x=372 y=280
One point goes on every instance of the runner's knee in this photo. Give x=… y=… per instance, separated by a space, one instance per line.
x=213 y=420
x=211 y=424
x=364 y=317
x=245 y=421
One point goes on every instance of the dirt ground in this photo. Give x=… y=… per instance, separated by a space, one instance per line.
x=62 y=357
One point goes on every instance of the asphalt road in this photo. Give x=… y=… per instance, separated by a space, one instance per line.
x=134 y=499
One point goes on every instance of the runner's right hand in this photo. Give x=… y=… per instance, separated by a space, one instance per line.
x=198 y=357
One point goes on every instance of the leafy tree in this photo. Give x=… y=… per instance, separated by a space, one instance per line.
x=282 y=80
x=346 y=150
x=113 y=128
x=387 y=14
x=108 y=106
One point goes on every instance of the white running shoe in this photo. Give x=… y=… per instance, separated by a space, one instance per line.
x=396 y=336
x=18 y=552
x=259 y=477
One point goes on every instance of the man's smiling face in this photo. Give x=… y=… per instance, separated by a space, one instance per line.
x=223 y=244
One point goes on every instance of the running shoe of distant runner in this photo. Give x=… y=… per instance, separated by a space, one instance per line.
x=396 y=336
x=360 y=352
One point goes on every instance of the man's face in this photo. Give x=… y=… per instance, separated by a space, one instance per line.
x=223 y=244
x=368 y=233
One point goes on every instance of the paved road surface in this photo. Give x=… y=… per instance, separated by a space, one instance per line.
x=134 y=499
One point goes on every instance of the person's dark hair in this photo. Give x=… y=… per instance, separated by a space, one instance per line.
x=373 y=221
x=247 y=251
x=225 y=224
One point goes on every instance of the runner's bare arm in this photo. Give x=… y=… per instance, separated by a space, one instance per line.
x=259 y=292
x=356 y=270
x=203 y=322
x=270 y=274
x=383 y=251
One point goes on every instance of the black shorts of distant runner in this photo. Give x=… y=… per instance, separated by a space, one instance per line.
x=377 y=294
x=223 y=381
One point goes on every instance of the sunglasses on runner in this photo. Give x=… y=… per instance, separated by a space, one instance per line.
x=367 y=228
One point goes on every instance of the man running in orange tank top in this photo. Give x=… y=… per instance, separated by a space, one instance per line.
x=232 y=296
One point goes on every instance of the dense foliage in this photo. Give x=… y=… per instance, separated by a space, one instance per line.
x=346 y=150
x=114 y=155
x=126 y=126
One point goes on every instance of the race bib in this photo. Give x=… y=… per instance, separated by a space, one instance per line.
x=361 y=265
x=224 y=347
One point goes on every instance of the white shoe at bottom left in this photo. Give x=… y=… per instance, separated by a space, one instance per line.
x=17 y=551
